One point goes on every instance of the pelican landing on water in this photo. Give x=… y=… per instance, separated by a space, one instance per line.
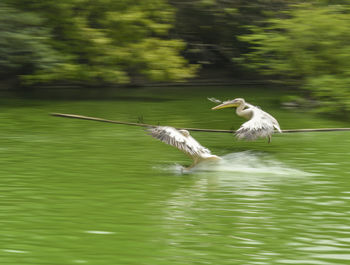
x=182 y=140
x=260 y=124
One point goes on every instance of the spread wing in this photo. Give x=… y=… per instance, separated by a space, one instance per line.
x=261 y=124
x=215 y=100
x=186 y=144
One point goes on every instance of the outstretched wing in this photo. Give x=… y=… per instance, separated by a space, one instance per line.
x=215 y=100
x=186 y=144
x=261 y=125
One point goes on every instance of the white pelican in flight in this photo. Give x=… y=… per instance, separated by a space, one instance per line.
x=259 y=124
x=182 y=140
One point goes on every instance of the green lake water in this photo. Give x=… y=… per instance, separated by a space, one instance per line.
x=84 y=192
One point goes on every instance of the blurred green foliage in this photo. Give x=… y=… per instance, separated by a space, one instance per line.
x=103 y=40
x=302 y=42
x=24 y=43
x=309 y=47
x=211 y=28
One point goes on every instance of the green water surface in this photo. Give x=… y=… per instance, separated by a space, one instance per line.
x=83 y=192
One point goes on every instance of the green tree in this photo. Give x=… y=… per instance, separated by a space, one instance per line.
x=310 y=47
x=110 y=41
x=211 y=27
x=24 y=43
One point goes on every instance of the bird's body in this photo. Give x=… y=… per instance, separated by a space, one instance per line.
x=182 y=140
x=260 y=124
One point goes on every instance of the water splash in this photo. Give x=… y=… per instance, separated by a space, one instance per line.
x=249 y=162
x=245 y=163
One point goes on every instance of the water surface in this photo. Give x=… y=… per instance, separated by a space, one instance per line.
x=82 y=192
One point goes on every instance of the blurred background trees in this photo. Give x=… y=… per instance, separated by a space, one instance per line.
x=309 y=48
x=96 y=41
x=24 y=43
x=211 y=28
x=297 y=42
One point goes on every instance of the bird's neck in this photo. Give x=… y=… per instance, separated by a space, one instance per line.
x=245 y=113
x=239 y=110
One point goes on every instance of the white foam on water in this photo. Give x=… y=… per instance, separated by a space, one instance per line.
x=100 y=232
x=248 y=162
x=15 y=251
x=245 y=163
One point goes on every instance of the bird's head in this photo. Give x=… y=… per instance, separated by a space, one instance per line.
x=230 y=104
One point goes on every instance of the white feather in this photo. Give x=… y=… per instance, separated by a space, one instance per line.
x=182 y=140
x=215 y=100
x=261 y=124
